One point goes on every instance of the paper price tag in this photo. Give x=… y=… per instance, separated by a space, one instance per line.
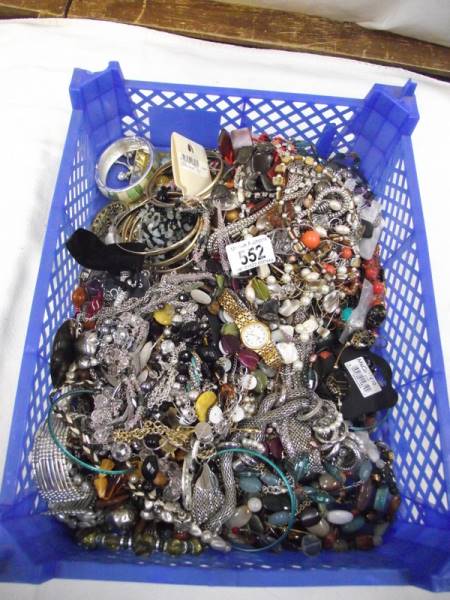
x=250 y=253
x=189 y=164
x=363 y=377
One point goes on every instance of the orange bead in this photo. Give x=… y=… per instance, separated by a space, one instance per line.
x=89 y=324
x=161 y=479
x=330 y=269
x=79 y=297
x=346 y=252
x=310 y=239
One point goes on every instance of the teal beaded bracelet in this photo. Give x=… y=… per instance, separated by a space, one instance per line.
x=282 y=476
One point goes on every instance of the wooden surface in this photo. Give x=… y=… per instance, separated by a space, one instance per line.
x=14 y=9
x=250 y=26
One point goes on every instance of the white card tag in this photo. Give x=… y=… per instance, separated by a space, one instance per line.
x=363 y=376
x=250 y=253
x=189 y=164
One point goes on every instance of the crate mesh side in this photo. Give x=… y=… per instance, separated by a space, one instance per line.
x=417 y=447
x=77 y=212
x=413 y=425
x=294 y=119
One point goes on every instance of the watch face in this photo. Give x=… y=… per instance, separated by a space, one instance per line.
x=255 y=336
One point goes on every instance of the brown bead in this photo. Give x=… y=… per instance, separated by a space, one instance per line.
x=179 y=455
x=214 y=307
x=227 y=391
x=329 y=540
x=83 y=374
x=89 y=324
x=161 y=479
x=182 y=535
x=394 y=505
x=112 y=502
x=364 y=542
x=275 y=220
x=79 y=297
x=232 y=215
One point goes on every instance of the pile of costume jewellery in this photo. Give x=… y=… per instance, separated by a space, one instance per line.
x=217 y=383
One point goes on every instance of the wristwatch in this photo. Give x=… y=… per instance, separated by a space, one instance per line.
x=254 y=334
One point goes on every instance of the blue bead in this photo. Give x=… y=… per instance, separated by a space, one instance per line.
x=346 y=313
x=311 y=545
x=279 y=518
x=317 y=495
x=354 y=525
x=269 y=479
x=381 y=500
x=334 y=472
x=251 y=485
x=365 y=470
x=301 y=468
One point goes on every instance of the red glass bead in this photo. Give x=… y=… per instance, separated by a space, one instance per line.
x=378 y=287
x=346 y=252
x=311 y=239
x=330 y=269
x=182 y=535
x=371 y=273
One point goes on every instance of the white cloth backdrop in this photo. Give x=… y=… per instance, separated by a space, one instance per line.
x=36 y=62
x=422 y=19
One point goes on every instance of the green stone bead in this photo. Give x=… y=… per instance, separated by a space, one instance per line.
x=143 y=544
x=262 y=380
x=111 y=541
x=340 y=546
x=175 y=547
x=89 y=540
x=230 y=329
x=149 y=538
x=195 y=546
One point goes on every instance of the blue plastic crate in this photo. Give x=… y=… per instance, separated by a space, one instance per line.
x=34 y=548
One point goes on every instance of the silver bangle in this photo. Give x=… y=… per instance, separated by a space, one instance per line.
x=138 y=172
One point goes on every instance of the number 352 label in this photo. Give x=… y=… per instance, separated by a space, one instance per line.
x=250 y=253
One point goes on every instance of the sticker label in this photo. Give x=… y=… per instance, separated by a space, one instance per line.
x=363 y=377
x=188 y=161
x=189 y=164
x=250 y=253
